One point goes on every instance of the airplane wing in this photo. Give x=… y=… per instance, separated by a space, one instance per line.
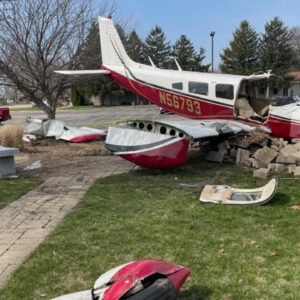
x=83 y=72
x=165 y=143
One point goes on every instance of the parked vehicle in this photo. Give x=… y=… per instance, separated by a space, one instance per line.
x=4 y=114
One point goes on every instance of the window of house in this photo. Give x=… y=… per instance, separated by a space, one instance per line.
x=198 y=88
x=177 y=85
x=224 y=91
x=261 y=91
x=275 y=91
x=285 y=91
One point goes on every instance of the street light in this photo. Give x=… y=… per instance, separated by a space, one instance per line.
x=212 y=34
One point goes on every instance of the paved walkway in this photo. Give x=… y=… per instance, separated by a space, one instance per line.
x=25 y=223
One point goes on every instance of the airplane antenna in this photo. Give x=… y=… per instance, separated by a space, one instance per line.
x=177 y=64
x=151 y=62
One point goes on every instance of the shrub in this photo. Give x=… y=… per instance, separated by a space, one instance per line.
x=76 y=98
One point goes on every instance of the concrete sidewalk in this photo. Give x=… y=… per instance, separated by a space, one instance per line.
x=25 y=223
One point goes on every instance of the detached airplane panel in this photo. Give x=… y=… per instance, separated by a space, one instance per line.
x=147 y=149
x=138 y=280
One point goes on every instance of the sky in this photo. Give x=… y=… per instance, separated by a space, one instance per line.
x=197 y=18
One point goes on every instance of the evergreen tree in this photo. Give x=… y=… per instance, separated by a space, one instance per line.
x=241 y=57
x=184 y=52
x=198 y=61
x=276 y=48
x=157 y=48
x=90 y=59
x=135 y=48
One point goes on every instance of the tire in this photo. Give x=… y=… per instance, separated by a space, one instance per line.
x=161 y=289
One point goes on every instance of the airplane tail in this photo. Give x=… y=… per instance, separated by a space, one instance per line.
x=112 y=48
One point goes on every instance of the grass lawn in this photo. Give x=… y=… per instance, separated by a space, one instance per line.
x=12 y=189
x=233 y=252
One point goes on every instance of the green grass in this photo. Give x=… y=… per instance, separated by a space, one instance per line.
x=12 y=189
x=145 y=214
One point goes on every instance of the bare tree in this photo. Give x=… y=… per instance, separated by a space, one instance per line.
x=295 y=33
x=38 y=37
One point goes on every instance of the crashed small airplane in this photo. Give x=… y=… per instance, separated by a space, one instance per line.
x=216 y=104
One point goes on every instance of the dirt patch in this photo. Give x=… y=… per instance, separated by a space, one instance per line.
x=57 y=156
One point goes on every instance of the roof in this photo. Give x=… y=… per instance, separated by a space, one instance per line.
x=294 y=75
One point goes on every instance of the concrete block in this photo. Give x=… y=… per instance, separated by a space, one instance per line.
x=265 y=154
x=291 y=169
x=216 y=156
x=224 y=146
x=259 y=164
x=285 y=159
x=274 y=147
x=262 y=173
x=271 y=167
x=249 y=162
x=280 y=168
x=242 y=156
x=297 y=171
x=290 y=149
x=283 y=143
x=233 y=153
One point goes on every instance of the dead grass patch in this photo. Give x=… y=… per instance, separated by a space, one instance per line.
x=11 y=136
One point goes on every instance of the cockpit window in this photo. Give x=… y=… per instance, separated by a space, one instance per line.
x=177 y=85
x=224 y=91
x=198 y=88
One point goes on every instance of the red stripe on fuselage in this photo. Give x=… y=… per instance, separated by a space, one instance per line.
x=179 y=104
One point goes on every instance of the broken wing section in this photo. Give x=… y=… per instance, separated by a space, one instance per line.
x=165 y=143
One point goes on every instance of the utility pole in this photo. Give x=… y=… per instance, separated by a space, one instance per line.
x=212 y=34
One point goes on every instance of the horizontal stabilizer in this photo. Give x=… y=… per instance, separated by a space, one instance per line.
x=84 y=72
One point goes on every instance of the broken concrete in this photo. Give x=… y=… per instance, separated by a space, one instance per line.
x=259 y=164
x=290 y=149
x=265 y=154
x=242 y=156
x=285 y=159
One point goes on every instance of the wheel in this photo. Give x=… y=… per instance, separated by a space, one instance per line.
x=160 y=289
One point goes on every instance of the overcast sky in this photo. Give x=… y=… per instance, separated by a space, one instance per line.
x=197 y=18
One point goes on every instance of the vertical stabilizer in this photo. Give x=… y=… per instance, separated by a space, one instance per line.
x=112 y=49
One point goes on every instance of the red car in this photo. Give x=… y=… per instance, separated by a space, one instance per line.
x=4 y=114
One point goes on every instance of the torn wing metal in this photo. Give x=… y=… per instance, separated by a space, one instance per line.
x=196 y=129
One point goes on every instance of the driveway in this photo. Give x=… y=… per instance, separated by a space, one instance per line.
x=98 y=116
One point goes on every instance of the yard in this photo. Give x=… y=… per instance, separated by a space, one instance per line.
x=13 y=188
x=233 y=252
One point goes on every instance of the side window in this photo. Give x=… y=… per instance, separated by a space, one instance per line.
x=177 y=85
x=224 y=91
x=198 y=88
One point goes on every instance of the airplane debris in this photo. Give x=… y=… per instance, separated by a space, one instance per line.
x=138 y=280
x=36 y=165
x=53 y=128
x=223 y=194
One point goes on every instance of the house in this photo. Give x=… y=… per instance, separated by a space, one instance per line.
x=294 y=88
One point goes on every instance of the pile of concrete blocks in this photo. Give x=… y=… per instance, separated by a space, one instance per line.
x=274 y=155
